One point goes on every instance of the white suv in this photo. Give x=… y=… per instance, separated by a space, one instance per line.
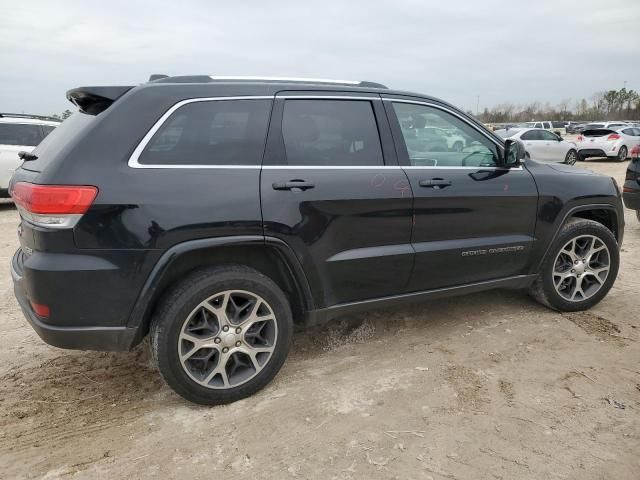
x=19 y=133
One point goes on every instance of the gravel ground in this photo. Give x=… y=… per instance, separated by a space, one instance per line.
x=490 y=385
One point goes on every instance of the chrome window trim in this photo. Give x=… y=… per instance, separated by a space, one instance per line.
x=135 y=156
x=329 y=97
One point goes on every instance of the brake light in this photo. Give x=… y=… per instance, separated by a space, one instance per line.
x=613 y=136
x=580 y=138
x=55 y=206
x=40 y=309
x=635 y=151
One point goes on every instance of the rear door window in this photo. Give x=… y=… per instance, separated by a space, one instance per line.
x=221 y=132
x=20 y=134
x=331 y=133
x=531 y=135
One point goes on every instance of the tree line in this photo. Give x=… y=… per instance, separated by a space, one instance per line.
x=620 y=104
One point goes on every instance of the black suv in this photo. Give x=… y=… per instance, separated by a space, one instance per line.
x=215 y=213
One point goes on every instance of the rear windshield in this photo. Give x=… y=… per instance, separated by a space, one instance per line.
x=598 y=132
x=590 y=126
x=61 y=136
x=20 y=134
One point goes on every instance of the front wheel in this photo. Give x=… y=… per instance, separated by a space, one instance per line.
x=622 y=154
x=221 y=334
x=580 y=267
x=571 y=157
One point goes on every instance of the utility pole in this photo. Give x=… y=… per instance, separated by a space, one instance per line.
x=478 y=105
x=625 y=84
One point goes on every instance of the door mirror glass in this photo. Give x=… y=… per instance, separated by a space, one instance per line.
x=514 y=152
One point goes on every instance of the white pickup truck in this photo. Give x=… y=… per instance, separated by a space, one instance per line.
x=19 y=133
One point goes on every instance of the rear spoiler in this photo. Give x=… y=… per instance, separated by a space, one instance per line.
x=93 y=100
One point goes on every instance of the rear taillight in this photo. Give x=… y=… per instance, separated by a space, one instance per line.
x=613 y=136
x=580 y=138
x=40 y=309
x=53 y=206
x=635 y=151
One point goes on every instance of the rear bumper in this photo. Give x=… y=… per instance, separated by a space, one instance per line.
x=72 y=337
x=595 y=152
x=632 y=200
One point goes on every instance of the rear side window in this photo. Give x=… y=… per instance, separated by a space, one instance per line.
x=531 y=135
x=221 y=132
x=47 y=129
x=20 y=134
x=331 y=133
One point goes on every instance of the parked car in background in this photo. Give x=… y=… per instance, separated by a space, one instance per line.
x=631 y=188
x=594 y=125
x=575 y=127
x=19 y=133
x=543 y=145
x=556 y=126
x=608 y=142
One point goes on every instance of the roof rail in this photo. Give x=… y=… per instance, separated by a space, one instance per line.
x=355 y=83
x=35 y=117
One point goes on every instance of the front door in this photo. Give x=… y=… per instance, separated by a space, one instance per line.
x=332 y=190
x=473 y=220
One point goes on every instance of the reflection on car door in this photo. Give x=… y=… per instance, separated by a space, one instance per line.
x=473 y=220
x=554 y=149
x=332 y=190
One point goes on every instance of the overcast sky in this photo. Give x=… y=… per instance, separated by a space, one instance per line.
x=504 y=51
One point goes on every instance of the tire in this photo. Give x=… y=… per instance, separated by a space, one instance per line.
x=181 y=316
x=571 y=158
x=558 y=264
x=580 y=158
x=622 y=154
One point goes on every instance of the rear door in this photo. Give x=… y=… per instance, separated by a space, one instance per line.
x=332 y=190
x=473 y=220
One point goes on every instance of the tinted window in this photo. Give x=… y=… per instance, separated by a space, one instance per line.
x=531 y=135
x=548 y=136
x=589 y=126
x=224 y=132
x=331 y=132
x=460 y=146
x=20 y=134
x=47 y=129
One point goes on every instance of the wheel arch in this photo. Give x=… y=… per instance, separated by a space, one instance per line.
x=269 y=256
x=605 y=214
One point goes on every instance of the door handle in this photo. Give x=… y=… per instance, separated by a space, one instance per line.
x=435 y=183
x=293 y=185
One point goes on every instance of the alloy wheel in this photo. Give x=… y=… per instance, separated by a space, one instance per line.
x=227 y=339
x=572 y=157
x=581 y=268
x=622 y=154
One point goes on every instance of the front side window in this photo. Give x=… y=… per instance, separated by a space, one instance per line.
x=22 y=134
x=548 y=136
x=221 y=132
x=331 y=133
x=434 y=137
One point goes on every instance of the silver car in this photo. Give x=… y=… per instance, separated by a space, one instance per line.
x=614 y=142
x=543 y=145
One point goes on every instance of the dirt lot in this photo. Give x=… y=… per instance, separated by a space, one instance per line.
x=491 y=385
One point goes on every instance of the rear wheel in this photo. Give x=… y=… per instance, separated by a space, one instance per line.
x=571 y=158
x=580 y=267
x=622 y=154
x=221 y=334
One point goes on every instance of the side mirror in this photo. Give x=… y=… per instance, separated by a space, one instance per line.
x=514 y=152
x=560 y=138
